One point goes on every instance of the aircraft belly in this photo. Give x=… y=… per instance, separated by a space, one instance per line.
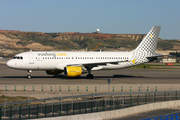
x=112 y=67
x=46 y=66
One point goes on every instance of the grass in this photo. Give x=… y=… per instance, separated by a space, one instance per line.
x=150 y=66
x=147 y=66
x=15 y=99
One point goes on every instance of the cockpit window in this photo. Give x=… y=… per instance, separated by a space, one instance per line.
x=18 y=57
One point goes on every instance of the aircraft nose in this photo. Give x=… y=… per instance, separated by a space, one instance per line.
x=9 y=63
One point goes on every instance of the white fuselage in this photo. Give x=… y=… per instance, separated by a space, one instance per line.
x=47 y=60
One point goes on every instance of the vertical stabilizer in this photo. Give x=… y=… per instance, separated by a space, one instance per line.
x=147 y=47
x=149 y=43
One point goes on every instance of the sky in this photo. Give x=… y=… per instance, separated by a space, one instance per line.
x=85 y=16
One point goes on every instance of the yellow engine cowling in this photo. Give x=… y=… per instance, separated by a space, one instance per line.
x=53 y=72
x=72 y=71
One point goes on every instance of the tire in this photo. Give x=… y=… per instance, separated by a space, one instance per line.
x=29 y=76
x=90 y=76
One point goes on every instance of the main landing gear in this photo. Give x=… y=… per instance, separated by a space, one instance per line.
x=29 y=74
x=89 y=76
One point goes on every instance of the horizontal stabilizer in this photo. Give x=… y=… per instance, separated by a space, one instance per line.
x=154 y=57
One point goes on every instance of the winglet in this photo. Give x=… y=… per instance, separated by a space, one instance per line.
x=133 y=61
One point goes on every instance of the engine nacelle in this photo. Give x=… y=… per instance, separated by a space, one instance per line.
x=53 y=72
x=72 y=71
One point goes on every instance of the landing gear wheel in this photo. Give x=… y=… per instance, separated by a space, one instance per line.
x=28 y=76
x=90 y=76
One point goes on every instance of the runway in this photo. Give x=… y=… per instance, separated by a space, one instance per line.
x=121 y=76
x=55 y=86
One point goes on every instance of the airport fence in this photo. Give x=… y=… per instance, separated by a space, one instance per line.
x=89 y=88
x=81 y=104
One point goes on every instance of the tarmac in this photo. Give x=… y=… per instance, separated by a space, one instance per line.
x=123 y=80
x=14 y=82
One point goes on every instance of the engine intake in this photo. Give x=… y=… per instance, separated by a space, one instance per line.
x=72 y=71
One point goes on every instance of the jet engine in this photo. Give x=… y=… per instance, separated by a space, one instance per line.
x=53 y=72
x=72 y=71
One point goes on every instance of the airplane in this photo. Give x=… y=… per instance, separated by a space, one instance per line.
x=73 y=64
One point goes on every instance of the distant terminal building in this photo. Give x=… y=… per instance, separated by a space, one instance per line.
x=169 y=60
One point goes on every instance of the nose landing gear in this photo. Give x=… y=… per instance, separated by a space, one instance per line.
x=29 y=74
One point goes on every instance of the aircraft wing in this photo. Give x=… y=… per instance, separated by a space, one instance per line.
x=94 y=64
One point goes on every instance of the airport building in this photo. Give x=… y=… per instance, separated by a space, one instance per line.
x=169 y=60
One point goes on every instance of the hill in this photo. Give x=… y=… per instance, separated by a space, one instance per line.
x=13 y=42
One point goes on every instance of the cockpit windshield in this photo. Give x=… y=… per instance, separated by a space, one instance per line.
x=18 y=57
